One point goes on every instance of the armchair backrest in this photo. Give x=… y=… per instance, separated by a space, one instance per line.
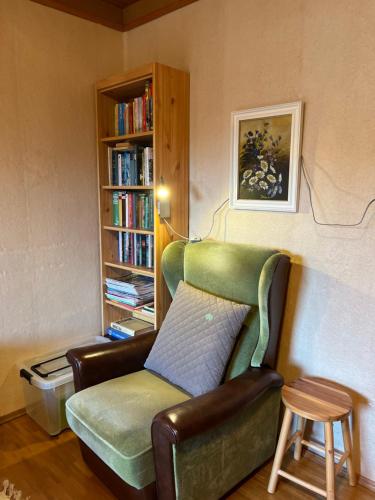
x=243 y=273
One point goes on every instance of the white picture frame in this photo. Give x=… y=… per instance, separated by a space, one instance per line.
x=270 y=180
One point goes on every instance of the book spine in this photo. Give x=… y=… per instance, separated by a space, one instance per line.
x=140 y=113
x=135 y=250
x=144 y=166
x=116 y=334
x=126 y=131
x=145 y=213
x=114 y=180
x=151 y=118
x=126 y=210
x=120 y=248
x=134 y=221
x=119 y=170
x=115 y=211
x=123 y=168
x=151 y=211
x=122 y=329
x=120 y=119
x=120 y=209
x=143 y=250
x=126 y=168
x=130 y=206
x=144 y=123
x=151 y=250
x=116 y=119
x=126 y=248
x=131 y=126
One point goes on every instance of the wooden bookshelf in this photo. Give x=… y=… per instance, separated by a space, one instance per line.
x=122 y=229
x=169 y=139
x=128 y=188
x=138 y=137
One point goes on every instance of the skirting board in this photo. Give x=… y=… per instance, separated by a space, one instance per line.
x=366 y=483
x=12 y=416
x=363 y=481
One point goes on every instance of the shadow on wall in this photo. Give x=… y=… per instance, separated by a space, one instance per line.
x=305 y=337
x=291 y=308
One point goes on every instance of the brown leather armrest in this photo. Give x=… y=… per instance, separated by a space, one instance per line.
x=201 y=414
x=100 y=362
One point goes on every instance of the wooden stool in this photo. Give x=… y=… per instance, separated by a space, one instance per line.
x=321 y=401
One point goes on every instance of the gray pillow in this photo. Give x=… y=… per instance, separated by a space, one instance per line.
x=196 y=339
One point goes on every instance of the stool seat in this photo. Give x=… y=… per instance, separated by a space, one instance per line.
x=317 y=399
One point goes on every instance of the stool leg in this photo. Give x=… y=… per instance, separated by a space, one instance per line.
x=280 y=450
x=348 y=448
x=330 y=461
x=298 y=446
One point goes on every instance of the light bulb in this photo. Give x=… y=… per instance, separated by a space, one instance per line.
x=162 y=193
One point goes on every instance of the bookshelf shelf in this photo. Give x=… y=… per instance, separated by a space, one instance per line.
x=139 y=136
x=149 y=156
x=128 y=188
x=124 y=307
x=144 y=271
x=127 y=230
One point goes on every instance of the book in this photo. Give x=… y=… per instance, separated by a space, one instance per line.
x=140 y=314
x=115 y=208
x=135 y=115
x=149 y=309
x=130 y=165
x=120 y=248
x=132 y=326
x=133 y=210
x=116 y=334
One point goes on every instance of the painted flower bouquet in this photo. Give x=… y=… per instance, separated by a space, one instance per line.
x=259 y=164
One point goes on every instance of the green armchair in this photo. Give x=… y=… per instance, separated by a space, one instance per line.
x=148 y=439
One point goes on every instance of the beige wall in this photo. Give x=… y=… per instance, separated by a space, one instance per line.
x=247 y=53
x=49 y=263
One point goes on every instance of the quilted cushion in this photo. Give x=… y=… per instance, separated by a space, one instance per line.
x=196 y=339
x=114 y=420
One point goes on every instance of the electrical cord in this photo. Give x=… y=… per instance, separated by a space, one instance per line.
x=332 y=224
x=310 y=189
x=173 y=230
x=213 y=217
x=208 y=234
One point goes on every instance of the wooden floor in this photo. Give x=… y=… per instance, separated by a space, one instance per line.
x=52 y=468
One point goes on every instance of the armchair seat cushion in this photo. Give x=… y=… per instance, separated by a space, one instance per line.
x=114 y=420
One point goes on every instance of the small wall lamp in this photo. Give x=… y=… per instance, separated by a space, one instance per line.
x=163 y=200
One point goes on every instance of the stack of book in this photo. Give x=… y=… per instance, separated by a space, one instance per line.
x=147 y=313
x=136 y=115
x=130 y=165
x=133 y=210
x=131 y=290
x=136 y=249
x=129 y=327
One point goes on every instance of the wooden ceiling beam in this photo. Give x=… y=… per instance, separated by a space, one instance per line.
x=144 y=11
x=121 y=15
x=98 y=11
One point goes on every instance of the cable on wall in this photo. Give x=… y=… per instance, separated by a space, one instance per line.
x=332 y=224
x=209 y=232
x=213 y=217
x=173 y=230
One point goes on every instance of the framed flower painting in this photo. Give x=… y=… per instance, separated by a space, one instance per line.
x=266 y=150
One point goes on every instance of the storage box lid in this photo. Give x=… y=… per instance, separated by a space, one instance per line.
x=51 y=370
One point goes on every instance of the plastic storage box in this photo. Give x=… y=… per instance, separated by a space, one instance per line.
x=48 y=383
